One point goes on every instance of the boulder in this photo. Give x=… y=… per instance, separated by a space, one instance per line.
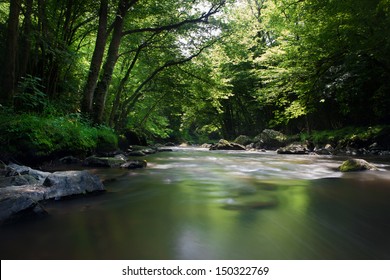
x=206 y=146
x=270 y=139
x=356 y=165
x=15 y=170
x=226 y=145
x=134 y=164
x=294 y=149
x=121 y=157
x=327 y=150
x=17 y=202
x=70 y=160
x=94 y=161
x=18 y=180
x=16 y=207
x=67 y=183
x=136 y=154
x=243 y=140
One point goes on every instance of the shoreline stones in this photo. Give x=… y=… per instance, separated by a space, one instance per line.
x=23 y=200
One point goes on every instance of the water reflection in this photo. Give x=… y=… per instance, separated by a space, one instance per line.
x=222 y=205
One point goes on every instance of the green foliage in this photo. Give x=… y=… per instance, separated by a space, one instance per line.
x=286 y=64
x=29 y=136
x=31 y=97
x=328 y=60
x=345 y=135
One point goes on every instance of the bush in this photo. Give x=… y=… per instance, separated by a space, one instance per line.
x=347 y=135
x=29 y=137
x=106 y=140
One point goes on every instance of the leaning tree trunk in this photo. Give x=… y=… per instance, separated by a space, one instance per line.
x=8 y=85
x=97 y=59
x=109 y=65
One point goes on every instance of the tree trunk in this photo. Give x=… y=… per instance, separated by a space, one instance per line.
x=121 y=87
x=109 y=65
x=97 y=59
x=26 y=40
x=9 y=73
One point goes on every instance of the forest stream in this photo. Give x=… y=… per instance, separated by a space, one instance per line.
x=198 y=204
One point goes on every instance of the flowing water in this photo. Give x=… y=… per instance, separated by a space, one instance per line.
x=198 y=204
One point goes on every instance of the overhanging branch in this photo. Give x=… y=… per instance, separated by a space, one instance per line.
x=202 y=19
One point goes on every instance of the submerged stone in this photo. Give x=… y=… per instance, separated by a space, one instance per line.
x=232 y=204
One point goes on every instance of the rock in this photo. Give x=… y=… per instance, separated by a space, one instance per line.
x=136 y=154
x=294 y=149
x=18 y=180
x=14 y=208
x=356 y=165
x=20 y=201
x=327 y=150
x=270 y=139
x=226 y=145
x=94 y=161
x=15 y=170
x=170 y=144
x=164 y=150
x=121 y=157
x=243 y=140
x=149 y=151
x=67 y=183
x=206 y=146
x=70 y=160
x=183 y=145
x=134 y=164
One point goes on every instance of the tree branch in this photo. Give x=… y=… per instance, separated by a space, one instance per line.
x=203 y=18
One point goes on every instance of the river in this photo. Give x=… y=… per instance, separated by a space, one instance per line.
x=197 y=204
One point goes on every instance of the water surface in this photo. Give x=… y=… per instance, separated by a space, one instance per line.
x=198 y=204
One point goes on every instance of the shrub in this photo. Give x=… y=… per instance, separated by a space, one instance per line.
x=29 y=136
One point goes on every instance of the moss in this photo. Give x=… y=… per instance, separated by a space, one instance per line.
x=356 y=165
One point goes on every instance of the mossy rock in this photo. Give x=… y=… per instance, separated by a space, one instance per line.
x=243 y=140
x=103 y=162
x=356 y=165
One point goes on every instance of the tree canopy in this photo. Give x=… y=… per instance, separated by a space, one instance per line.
x=199 y=69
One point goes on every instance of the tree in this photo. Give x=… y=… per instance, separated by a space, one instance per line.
x=97 y=59
x=182 y=20
x=8 y=84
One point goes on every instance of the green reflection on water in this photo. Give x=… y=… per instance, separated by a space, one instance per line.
x=193 y=206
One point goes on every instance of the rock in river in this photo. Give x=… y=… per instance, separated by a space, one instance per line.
x=18 y=201
x=226 y=145
x=294 y=149
x=17 y=207
x=134 y=164
x=356 y=165
x=94 y=161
